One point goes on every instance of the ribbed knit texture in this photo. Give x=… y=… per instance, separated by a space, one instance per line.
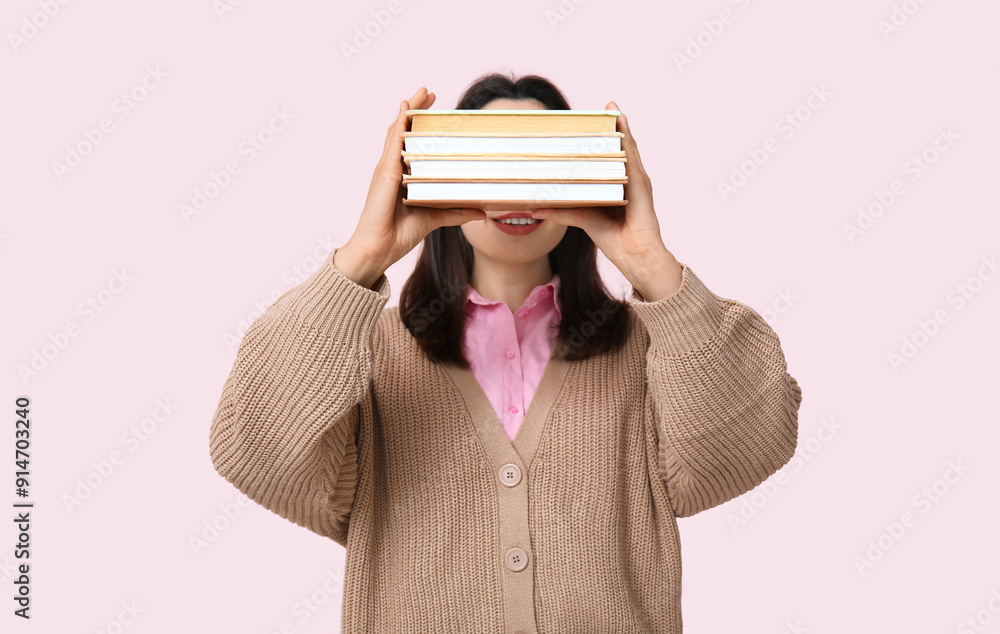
x=333 y=418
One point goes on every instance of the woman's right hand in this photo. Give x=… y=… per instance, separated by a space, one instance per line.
x=388 y=229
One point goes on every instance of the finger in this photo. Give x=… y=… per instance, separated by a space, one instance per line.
x=422 y=99
x=590 y=219
x=394 y=139
x=631 y=164
x=452 y=217
x=424 y=102
x=628 y=143
x=418 y=96
x=385 y=190
x=393 y=136
x=637 y=188
x=387 y=176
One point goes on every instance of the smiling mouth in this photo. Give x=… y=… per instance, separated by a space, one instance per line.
x=516 y=219
x=517 y=222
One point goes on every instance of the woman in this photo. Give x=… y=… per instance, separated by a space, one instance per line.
x=401 y=433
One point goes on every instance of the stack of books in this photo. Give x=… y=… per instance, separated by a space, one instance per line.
x=513 y=160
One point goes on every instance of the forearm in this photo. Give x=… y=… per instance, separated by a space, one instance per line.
x=357 y=267
x=725 y=407
x=284 y=430
x=655 y=275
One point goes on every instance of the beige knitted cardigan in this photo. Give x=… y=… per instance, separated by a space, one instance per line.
x=333 y=418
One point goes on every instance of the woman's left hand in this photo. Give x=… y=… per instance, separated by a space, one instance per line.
x=630 y=240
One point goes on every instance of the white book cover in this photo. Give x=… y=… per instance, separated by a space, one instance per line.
x=512 y=144
x=515 y=191
x=516 y=169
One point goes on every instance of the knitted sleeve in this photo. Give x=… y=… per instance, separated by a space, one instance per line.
x=285 y=429
x=724 y=405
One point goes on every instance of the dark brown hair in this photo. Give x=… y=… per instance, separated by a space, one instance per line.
x=432 y=301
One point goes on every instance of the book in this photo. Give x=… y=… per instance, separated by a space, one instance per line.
x=510 y=205
x=514 y=121
x=539 y=192
x=513 y=159
x=585 y=145
x=489 y=167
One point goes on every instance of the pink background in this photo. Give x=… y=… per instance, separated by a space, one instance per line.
x=777 y=244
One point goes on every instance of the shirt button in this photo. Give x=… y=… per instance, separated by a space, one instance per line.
x=510 y=354
x=513 y=409
x=516 y=559
x=510 y=474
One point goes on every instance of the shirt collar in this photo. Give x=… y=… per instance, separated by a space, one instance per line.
x=551 y=294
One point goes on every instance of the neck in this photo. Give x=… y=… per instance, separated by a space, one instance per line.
x=506 y=282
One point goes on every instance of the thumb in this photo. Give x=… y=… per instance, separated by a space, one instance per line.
x=558 y=215
x=583 y=217
x=453 y=217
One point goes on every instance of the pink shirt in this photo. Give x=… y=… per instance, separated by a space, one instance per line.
x=508 y=351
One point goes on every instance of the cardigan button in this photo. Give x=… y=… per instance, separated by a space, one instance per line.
x=516 y=559
x=510 y=474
